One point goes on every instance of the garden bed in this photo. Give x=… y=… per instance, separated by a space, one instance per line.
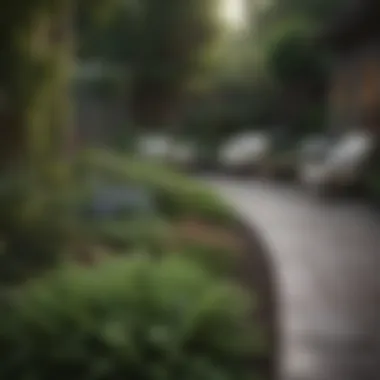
x=189 y=223
x=254 y=271
x=235 y=251
x=257 y=274
x=198 y=221
x=251 y=267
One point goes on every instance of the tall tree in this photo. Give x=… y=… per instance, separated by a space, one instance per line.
x=163 y=43
x=37 y=51
x=288 y=31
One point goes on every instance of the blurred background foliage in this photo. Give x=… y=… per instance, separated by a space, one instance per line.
x=187 y=71
x=100 y=73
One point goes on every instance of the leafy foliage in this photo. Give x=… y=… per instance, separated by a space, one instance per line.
x=129 y=318
x=293 y=56
x=35 y=227
x=320 y=11
x=163 y=43
x=177 y=196
x=36 y=44
x=299 y=65
x=40 y=224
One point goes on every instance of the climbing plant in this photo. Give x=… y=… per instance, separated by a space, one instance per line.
x=37 y=48
x=37 y=45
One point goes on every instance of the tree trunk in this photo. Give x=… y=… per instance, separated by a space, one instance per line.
x=35 y=122
x=62 y=43
x=12 y=144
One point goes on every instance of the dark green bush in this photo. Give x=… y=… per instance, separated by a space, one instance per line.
x=40 y=223
x=35 y=226
x=218 y=260
x=151 y=235
x=177 y=196
x=130 y=318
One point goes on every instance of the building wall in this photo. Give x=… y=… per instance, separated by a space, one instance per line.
x=355 y=88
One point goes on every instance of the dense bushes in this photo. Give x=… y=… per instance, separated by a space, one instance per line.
x=129 y=318
x=36 y=224
x=176 y=195
x=40 y=223
x=154 y=305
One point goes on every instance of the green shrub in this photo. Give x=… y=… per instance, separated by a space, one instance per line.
x=177 y=196
x=130 y=318
x=40 y=223
x=217 y=260
x=35 y=226
x=151 y=235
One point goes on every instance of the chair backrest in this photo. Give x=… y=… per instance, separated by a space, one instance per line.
x=352 y=150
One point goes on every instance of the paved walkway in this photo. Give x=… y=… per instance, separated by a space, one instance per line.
x=327 y=257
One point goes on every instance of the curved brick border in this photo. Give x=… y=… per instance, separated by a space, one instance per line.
x=256 y=272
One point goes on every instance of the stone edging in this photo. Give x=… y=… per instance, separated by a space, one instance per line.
x=257 y=272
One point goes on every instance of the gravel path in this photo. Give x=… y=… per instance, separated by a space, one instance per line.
x=327 y=257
